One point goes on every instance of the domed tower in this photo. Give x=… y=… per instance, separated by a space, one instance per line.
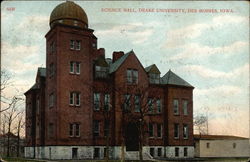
x=69 y=13
x=70 y=49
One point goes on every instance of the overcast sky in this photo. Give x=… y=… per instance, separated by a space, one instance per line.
x=208 y=50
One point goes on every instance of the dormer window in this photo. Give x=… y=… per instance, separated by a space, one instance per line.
x=101 y=72
x=154 y=78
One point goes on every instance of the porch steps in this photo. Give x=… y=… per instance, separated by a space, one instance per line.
x=134 y=155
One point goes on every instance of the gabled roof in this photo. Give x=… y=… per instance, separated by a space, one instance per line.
x=35 y=86
x=42 y=71
x=216 y=137
x=152 y=69
x=114 y=66
x=173 y=79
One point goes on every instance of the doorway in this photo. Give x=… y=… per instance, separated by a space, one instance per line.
x=132 y=137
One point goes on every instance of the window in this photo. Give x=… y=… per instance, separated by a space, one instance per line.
x=176 y=130
x=78 y=101
x=152 y=152
x=51 y=100
x=72 y=44
x=51 y=130
x=71 y=130
x=208 y=145
x=75 y=99
x=74 y=130
x=74 y=153
x=78 y=45
x=132 y=76
x=176 y=107
x=150 y=130
x=137 y=103
x=96 y=101
x=106 y=102
x=234 y=145
x=154 y=78
x=96 y=128
x=77 y=130
x=71 y=98
x=75 y=67
x=159 y=130
x=158 y=104
x=150 y=105
x=78 y=67
x=106 y=128
x=185 y=151
x=96 y=153
x=159 y=150
x=75 y=44
x=129 y=76
x=38 y=106
x=51 y=69
x=185 y=131
x=127 y=102
x=52 y=47
x=101 y=72
x=185 y=107
x=176 y=151
x=72 y=67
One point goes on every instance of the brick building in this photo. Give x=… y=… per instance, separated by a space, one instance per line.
x=83 y=102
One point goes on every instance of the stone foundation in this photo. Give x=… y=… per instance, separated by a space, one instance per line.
x=97 y=152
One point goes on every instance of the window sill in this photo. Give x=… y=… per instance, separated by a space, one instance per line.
x=75 y=105
x=176 y=138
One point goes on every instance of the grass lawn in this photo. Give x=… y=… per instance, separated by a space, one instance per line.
x=20 y=159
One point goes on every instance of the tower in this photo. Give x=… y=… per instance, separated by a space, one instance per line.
x=70 y=49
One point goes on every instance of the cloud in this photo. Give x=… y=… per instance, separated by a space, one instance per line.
x=35 y=23
x=209 y=73
x=137 y=33
x=229 y=123
x=14 y=58
x=196 y=50
x=178 y=37
x=223 y=91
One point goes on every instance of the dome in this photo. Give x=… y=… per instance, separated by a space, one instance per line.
x=68 y=13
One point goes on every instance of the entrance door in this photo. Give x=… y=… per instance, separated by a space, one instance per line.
x=132 y=137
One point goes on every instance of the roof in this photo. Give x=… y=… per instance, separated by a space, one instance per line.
x=173 y=79
x=101 y=61
x=42 y=71
x=153 y=69
x=68 y=11
x=10 y=134
x=216 y=137
x=114 y=66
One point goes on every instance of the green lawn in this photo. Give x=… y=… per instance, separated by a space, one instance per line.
x=19 y=159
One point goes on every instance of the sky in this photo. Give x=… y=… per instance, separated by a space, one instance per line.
x=205 y=43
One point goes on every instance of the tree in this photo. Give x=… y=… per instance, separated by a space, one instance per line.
x=144 y=99
x=201 y=121
x=5 y=82
x=10 y=115
x=19 y=127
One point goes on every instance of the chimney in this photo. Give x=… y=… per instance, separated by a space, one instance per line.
x=117 y=55
x=101 y=52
